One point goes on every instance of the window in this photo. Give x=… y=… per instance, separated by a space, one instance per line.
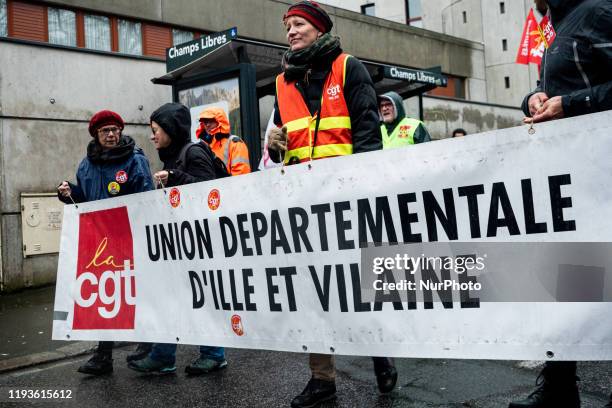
x=130 y=37
x=156 y=39
x=181 y=36
x=454 y=89
x=62 y=27
x=36 y=21
x=27 y=21
x=504 y=44
x=414 y=14
x=97 y=33
x=502 y=7
x=368 y=9
x=464 y=14
x=507 y=82
x=3 y=19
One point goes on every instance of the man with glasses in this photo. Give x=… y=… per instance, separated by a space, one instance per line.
x=113 y=166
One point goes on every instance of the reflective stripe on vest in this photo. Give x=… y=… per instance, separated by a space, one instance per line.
x=402 y=135
x=334 y=137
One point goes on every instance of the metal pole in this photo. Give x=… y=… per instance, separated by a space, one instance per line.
x=421 y=107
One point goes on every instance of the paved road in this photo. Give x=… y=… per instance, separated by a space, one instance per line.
x=25 y=323
x=270 y=379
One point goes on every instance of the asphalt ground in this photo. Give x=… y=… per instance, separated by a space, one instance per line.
x=29 y=359
x=271 y=379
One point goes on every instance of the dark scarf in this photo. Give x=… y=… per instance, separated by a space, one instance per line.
x=116 y=154
x=169 y=155
x=320 y=55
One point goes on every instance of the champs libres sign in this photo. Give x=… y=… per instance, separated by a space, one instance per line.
x=185 y=53
x=279 y=260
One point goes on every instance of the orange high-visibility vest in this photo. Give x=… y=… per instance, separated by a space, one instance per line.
x=234 y=153
x=334 y=137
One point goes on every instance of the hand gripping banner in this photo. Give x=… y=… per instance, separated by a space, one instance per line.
x=496 y=246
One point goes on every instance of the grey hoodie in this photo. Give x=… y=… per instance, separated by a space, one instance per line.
x=420 y=134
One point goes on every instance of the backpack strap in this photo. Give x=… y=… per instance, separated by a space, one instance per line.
x=181 y=162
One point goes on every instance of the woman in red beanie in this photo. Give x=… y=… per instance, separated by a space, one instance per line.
x=333 y=95
x=113 y=166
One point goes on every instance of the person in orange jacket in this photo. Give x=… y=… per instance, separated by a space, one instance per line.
x=215 y=130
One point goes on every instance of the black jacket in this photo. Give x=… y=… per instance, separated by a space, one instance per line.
x=360 y=100
x=578 y=64
x=175 y=120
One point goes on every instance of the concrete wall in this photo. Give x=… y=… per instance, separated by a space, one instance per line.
x=453 y=23
x=393 y=10
x=442 y=116
x=432 y=14
x=42 y=143
x=486 y=24
x=500 y=63
x=261 y=19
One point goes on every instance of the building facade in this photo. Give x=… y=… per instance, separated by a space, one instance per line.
x=62 y=61
x=497 y=24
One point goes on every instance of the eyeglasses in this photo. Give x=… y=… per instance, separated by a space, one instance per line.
x=108 y=131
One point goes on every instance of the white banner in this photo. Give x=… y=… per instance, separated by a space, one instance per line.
x=271 y=260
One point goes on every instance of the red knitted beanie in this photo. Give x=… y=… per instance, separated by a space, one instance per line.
x=103 y=118
x=312 y=12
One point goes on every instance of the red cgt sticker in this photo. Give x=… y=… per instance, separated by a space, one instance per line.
x=175 y=197
x=237 y=325
x=121 y=177
x=214 y=199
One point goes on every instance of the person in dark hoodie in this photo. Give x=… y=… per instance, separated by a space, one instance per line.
x=184 y=163
x=576 y=79
x=113 y=167
x=576 y=70
x=171 y=133
x=397 y=129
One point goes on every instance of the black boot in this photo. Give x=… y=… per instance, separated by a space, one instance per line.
x=101 y=362
x=556 y=388
x=316 y=392
x=141 y=352
x=386 y=374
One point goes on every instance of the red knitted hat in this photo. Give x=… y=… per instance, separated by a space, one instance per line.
x=103 y=118
x=312 y=12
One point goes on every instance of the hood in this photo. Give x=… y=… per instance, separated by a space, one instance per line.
x=175 y=119
x=560 y=8
x=218 y=114
x=398 y=104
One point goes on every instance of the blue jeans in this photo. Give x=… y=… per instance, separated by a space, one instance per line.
x=212 y=352
x=166 y=353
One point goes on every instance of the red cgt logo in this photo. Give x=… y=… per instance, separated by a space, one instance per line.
x=121 y=177
x=214 y=199
x=175 y=197
x=105 y=289
x=237 y=325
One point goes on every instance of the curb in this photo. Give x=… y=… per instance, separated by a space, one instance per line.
x=62 y=353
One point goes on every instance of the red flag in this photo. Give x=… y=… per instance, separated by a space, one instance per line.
x=547 y=32
x=531 y=48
